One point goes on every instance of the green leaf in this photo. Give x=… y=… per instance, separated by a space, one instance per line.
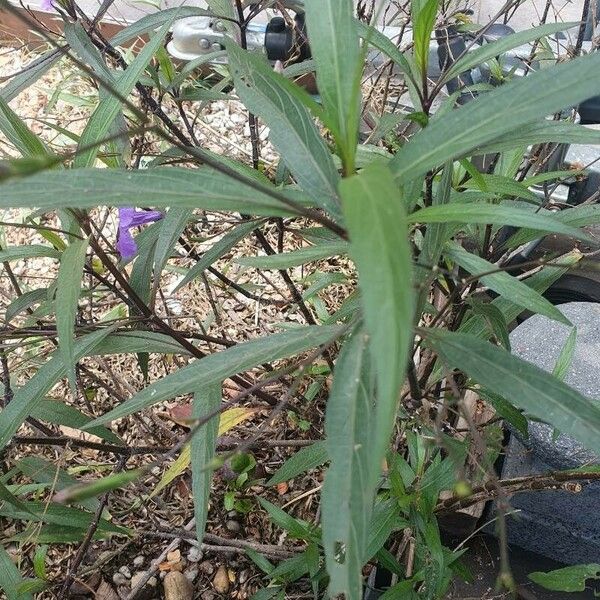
x=217 y=367
x=379 y=246
x=130 y=342
x=25 y=301
x=28 y=396
x=17 y=132
x=563 y=362
x=201 y=188
x=423 y=16
x=480 y=55
x=495 y=114
x=7 y=496
x=501 y=185
x=84 y=491
x=59 y=413
x=543 y=132
x=384 y=522
x=56 y=514
x=578 y=216
x=503 y=283
x=55 y=534
x=223 y=8
x=224 y=245
x=275 y=100
x=24 y=252
x=334 y=44
x=304 y=460
x=349 y=487
x=269 y=593
x=259 y=560
x=108 y=108
x=507 y=411
x=203 y=447
x=149 y=23
x=38 y=469
x=39 y=562
x=141 y=272
x=171 y=226
x=10 y=578
x=528 y=387
x=295 y=527
x=384 y=44
x=68 y=288
x=80 y=42
x=29 y=75
x=567 y=579
x=540 y=282
x=496 y=214
x=296 y=258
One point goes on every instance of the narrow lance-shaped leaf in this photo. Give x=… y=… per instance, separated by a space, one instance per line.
x=203 y=448
x=497 y=214
x=28 y=76
x=152 y=22
x=424 y=15
x=498 y=47
x=28 y=396
x=68 y=289
x=81 y=43
x=376 y=221
x=539 y=393
x=335 y=48
x=29 y=251
x=308 y=458
x=567 y=579
x=541 y=133
x=226 y=243
x=495 y=113
x=108 y=108
x=503 y=283
x=563 y=362
x=10 y=578
x=296 y=258
x=219 y=366
x=292 y=130
x=201 y=188
x=348 y=490
x=26 y=142
x=170 y=229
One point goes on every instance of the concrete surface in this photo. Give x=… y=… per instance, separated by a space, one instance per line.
x=558 y=524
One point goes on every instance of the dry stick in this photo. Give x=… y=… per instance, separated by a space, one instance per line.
x=580 y=34
x=223 y=542
x=155 y=564
x=556 y=480
x=85 y=544
x=224 y=443
x=65 y=440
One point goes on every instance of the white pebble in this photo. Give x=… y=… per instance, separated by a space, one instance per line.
x=119 y=579
x=125 y=571
x=194 y=554
x=138 y=561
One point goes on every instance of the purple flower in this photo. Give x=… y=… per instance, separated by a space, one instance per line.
x=47 y=5
x=128 y=219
